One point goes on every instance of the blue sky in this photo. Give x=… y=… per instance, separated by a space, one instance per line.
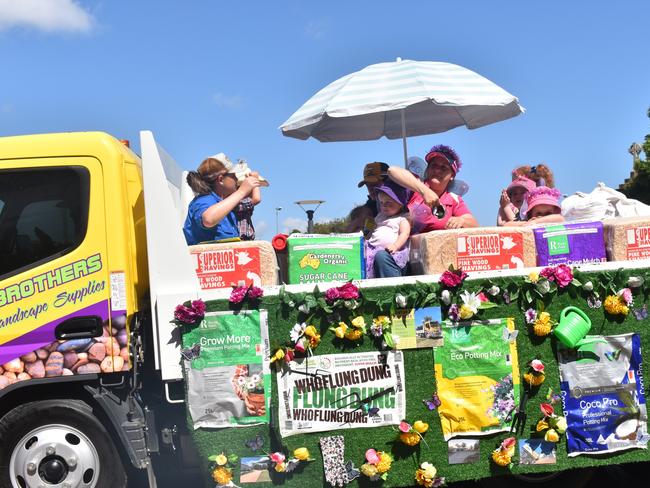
x=211 y=76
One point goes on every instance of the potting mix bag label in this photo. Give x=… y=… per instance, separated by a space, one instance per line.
x=342 y=391
x=603 y=395
x=571 y=244
x=477 y=377
x=228 y=373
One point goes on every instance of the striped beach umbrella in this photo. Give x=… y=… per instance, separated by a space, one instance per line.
x=400 y=99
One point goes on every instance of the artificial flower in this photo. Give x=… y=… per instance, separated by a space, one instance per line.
x=410 y=438
x=563 y=275
x=429 y=470
x=588 y=286
x=277 y=457
x=302 y=454
x=297 y=331
x=255 y=292
x=314 y=341
x=310 y=331
x=465 y=312
x=533 y=276
x=531 y=315
x=542 y=425
x=420 y=427
x=471 y=301
x=353 y=334
x=379 y=324
x=400 y=300
x=278 y=355
x=238 y=294
x=551 y=436
x=635 y=281
x=404 y=426
x=192 y=314
x=453 y=312
x=616 y=305
x=494 y=290
x=503 y=454
x=371 y=456
x=340 y=330
x=537 y=365
x=385 y=462
x=304 y=308
x=281 y=467
x=289 y=355
x=543 y=324
x=560 y=424
x=445 y=297
x=543 y=286
x=221 y=459
x=222 y=475
x=369 y=470
x=359 y=322
x=626 y=295
x=348 y=291
x=331 y=295
x=452 y=278
x=547 y=409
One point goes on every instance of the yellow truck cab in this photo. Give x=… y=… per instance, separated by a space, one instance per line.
x=73 y=275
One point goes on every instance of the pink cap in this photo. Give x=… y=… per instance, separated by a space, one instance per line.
x=543 y=195
x=523 y=182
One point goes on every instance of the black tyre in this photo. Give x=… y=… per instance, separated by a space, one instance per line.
x=60 y=443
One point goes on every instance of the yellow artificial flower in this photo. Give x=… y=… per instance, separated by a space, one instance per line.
x=422 y=479
x=534 y=379
x=314 y=341
x=544 y=318
x=560 y=425
x=302 y=454
x=369 y=470
x=429 y=469
x=385 y=460
x=281 y=467
x=353 y=334
x=222 y=475
x=551 y=436
x=616 y=305
x=541 y=330
x=410 y=438
x=420 y=426
x=279 y=354
x=310 y=331
x=340 y=330
x=359 y=322
x=541 y=425
x=501 y=457
x=382 y=320
x=533 y=277
x=465 y=312
x=221 y=460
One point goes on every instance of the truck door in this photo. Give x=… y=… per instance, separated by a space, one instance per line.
x=54 y=289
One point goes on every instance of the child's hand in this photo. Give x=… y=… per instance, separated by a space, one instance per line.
x=249 y=183
x=391 y=248
x=505 y=199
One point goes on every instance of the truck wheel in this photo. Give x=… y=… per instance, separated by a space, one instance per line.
x=60 y=443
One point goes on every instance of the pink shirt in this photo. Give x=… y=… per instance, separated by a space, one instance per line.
x=425 y=221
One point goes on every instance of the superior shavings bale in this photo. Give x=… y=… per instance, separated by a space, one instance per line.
x=320 y=257
x=479 y=249
x=627 y=238
x=222 y=265
x=571 y=244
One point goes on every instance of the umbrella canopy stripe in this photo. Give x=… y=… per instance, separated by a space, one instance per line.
x=430 y=97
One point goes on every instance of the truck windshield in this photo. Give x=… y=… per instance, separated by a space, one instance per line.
x=43 y=215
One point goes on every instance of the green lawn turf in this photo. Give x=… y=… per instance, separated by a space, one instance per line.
x=419 y=385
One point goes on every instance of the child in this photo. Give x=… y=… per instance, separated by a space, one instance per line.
x=540 y=174
x=512 y=200
x=387 y=250
x=245 y=208
x=543 y=207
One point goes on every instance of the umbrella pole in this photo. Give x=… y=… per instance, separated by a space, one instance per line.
x=404 y=138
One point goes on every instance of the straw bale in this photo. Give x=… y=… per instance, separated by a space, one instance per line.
x=627 y=238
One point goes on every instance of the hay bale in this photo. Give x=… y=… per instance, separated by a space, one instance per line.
x=222 y=265
x=478 y=249
x=627 y=238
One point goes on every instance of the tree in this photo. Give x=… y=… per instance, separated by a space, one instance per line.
x=335 y=226
x=638 y=186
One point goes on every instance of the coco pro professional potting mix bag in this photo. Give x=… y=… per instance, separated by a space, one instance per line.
x=603 y=395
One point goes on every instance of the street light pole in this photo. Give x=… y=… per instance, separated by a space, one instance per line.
x=277 y=219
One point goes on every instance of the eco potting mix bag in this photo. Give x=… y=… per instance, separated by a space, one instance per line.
x=227 y=368
x=477 y=377
x=603 y=395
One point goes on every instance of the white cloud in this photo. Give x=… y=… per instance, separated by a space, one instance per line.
x=291 y=223
x=261 y=228
x=45 y=15
x=316 y=29
x=232 y=102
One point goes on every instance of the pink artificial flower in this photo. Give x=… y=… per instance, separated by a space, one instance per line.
x=531 y=315
x=626 y=294
x=452 y=279
x=255 y=293
x=238 y=294
x=563 y=275
x=481 y=296
x=548 y=273
x=547 y=409
x=537 y=365
x=300 y=345
x=331 y=295
x=508 y=443
x=199 y=307
x=372 y=457
x=277 y=457
x=349 y=291
x=192 y=314
x=404 y=426
x=289 y=355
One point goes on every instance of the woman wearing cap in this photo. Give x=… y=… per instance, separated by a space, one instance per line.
x=512 y=200
x=442 y=165
x=210 y=215
x=543 y=207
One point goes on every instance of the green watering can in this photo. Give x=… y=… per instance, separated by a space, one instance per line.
x=573 y=327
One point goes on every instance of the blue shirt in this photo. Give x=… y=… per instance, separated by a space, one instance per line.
x=194 y=230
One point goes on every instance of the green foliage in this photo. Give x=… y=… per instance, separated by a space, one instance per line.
x=336 y=226
x=639 y=185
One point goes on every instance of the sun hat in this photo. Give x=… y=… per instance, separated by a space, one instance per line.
x=395 y=191
x=521 y=181
x=374 y=173
x=208 y=165
x=241 y=172
x=446 y=153
x=543 y=195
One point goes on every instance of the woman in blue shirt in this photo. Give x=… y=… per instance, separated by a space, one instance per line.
x=210 y=215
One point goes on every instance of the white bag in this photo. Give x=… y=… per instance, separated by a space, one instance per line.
x=602 y=203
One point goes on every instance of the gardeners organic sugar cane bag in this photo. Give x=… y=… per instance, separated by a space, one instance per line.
x=603 y=395
x=477 y=377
